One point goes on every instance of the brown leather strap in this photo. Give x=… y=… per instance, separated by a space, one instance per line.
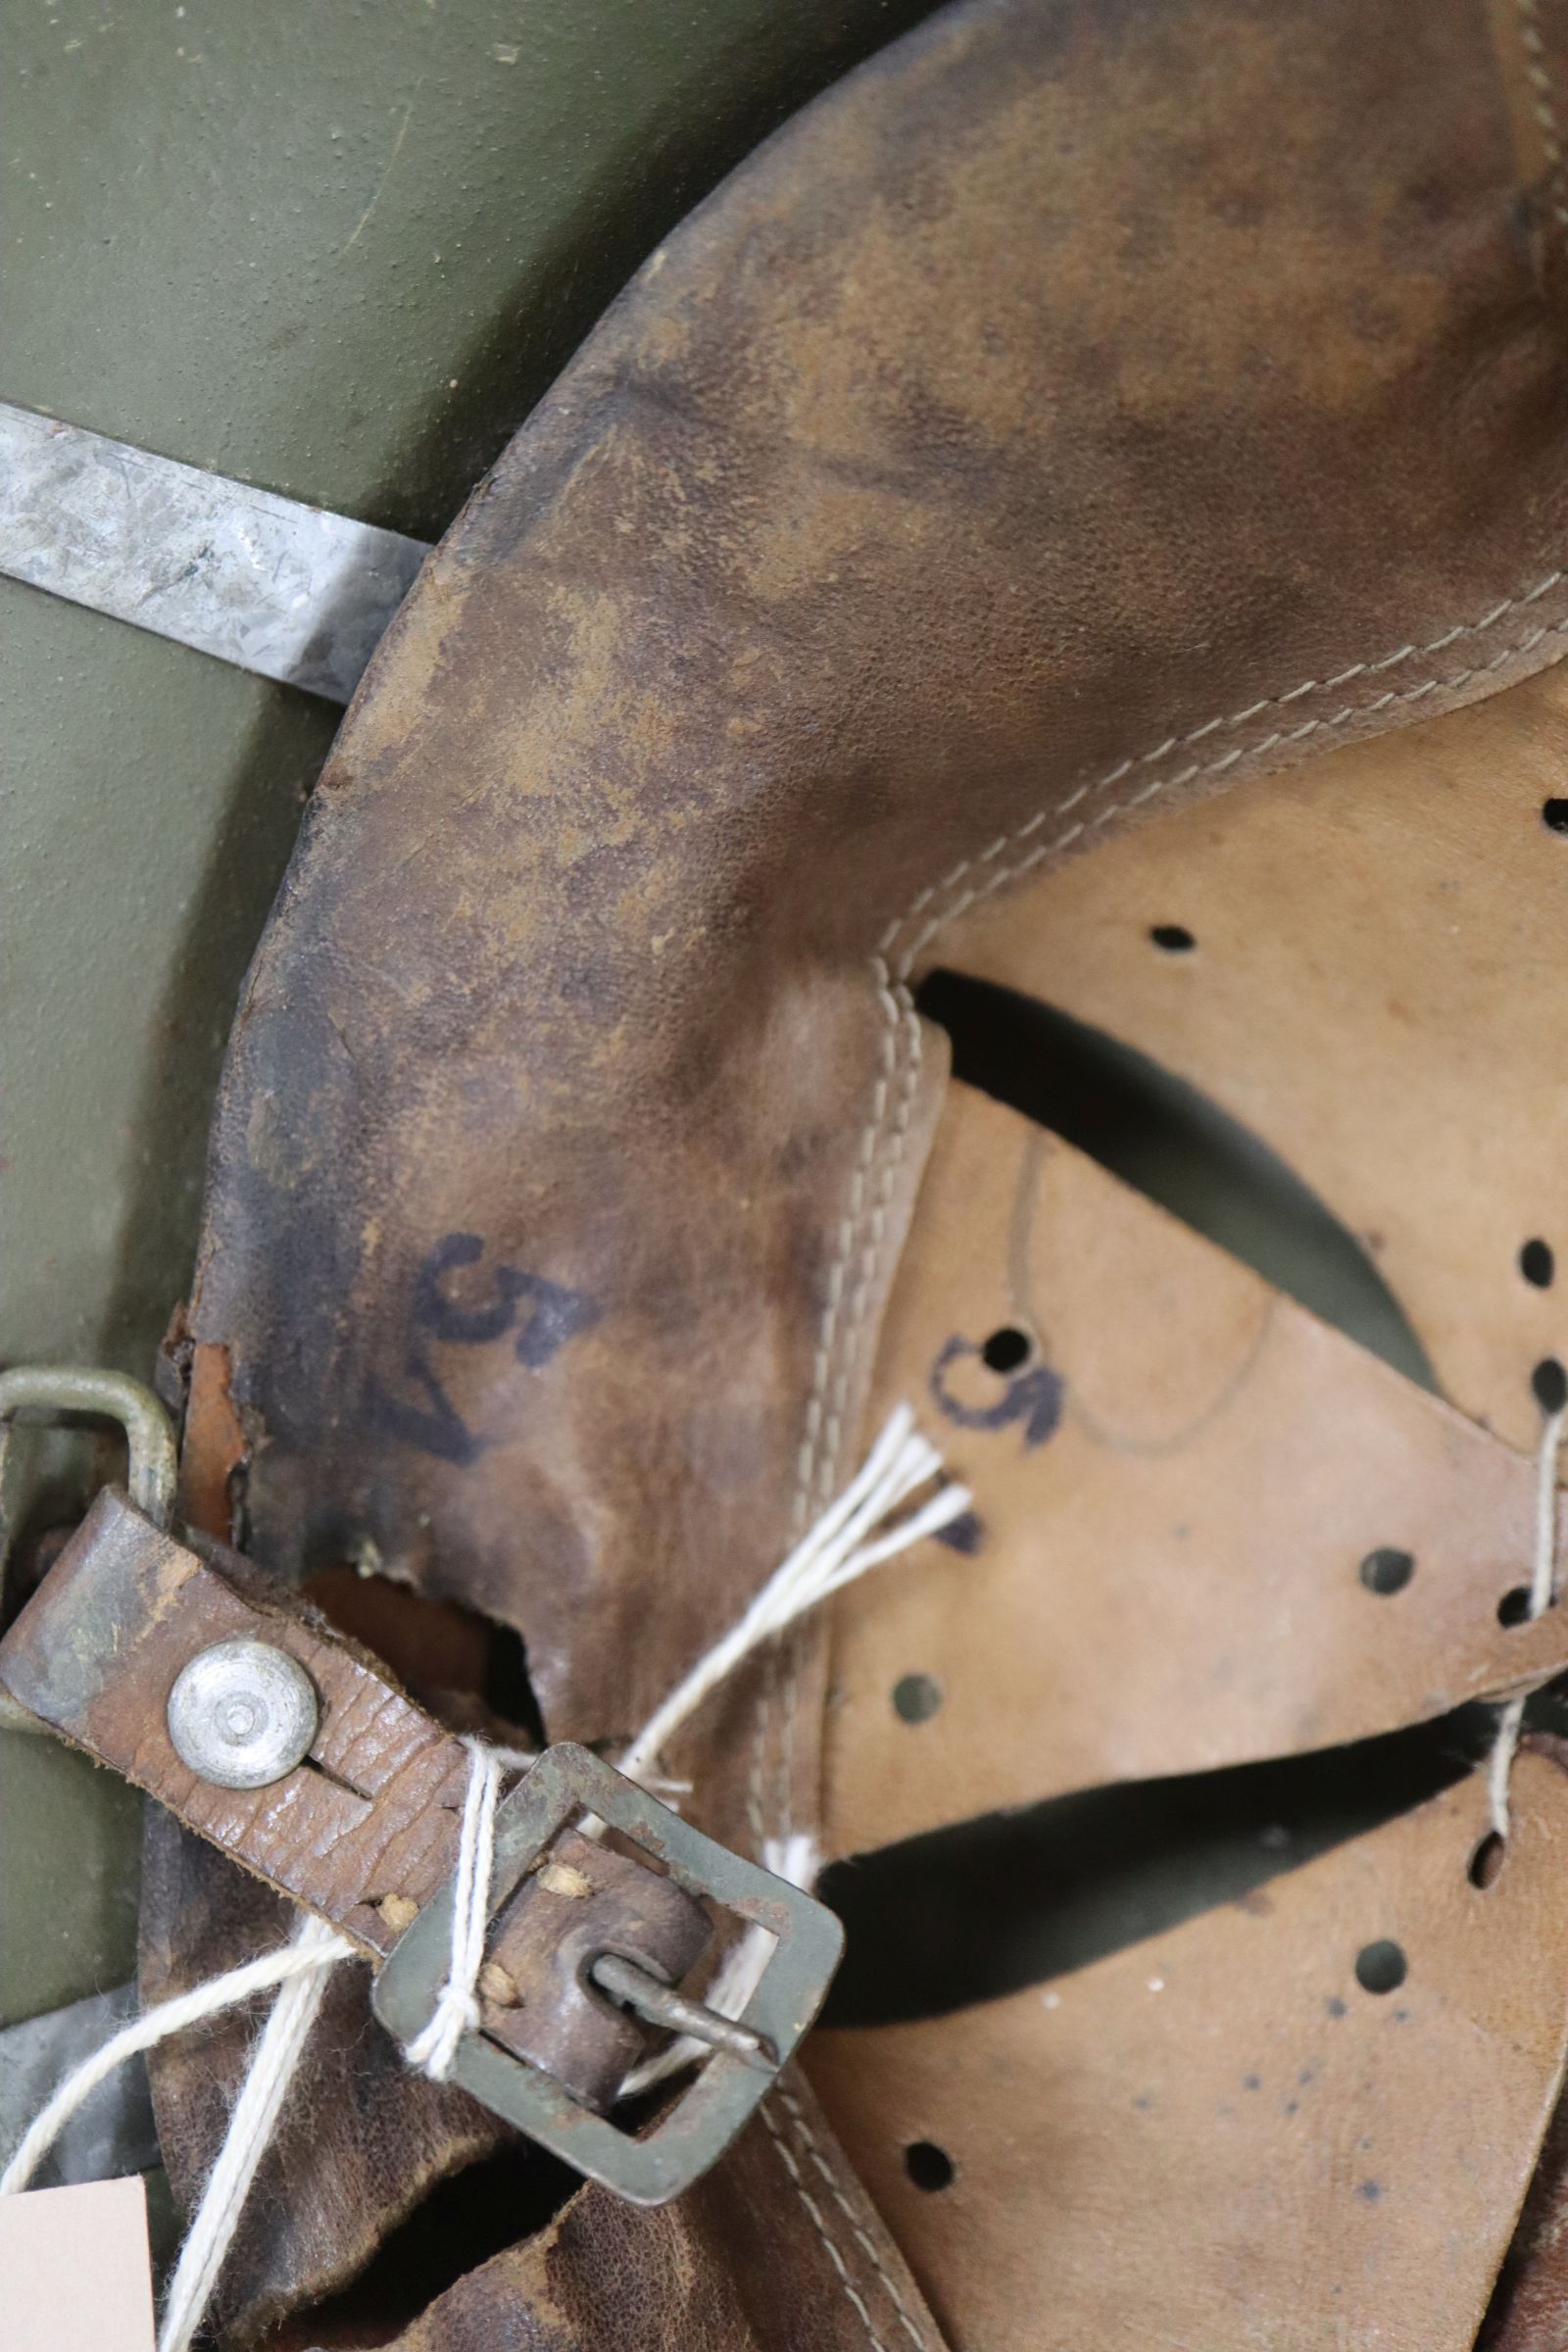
x=366 y=1830
x=1182 y=1497
x=1227 y=2135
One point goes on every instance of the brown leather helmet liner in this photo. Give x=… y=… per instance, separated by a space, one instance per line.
x=1080 y=409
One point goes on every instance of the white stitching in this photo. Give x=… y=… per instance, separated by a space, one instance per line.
x=846 y=2209
x=827 y=1329
x=1538 y=74
x=836 y=1332
x=824 y=1421
x=892 y=993
x=823 y=2231
x=1176 y=743
x=898 y=1008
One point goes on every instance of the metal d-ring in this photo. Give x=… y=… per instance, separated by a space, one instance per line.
x=112 y=1397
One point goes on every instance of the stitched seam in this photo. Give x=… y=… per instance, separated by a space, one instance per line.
x=827 y=1328
x=1200 y=767
x=819 y=2224
x=893 y=991
x=1543 y=101
x=891 y=985
x=819 y=2160
x=893 y=994
x=819 y=1450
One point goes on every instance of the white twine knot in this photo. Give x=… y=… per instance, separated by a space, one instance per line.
x=841 y=1546
x=457 y=2008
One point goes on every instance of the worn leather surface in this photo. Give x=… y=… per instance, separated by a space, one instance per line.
x=1374 y=992
x=1083 y=407
x=1175 y=1494
x=780 y=2247
x=364 y=1830
x=1405 y=980
x=1219 y=2139
x=1371 y=991
x=557 y=1071
x=318 y=2183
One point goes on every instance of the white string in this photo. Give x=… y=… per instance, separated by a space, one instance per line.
x=840 y=1547
x=457 y=2008
x=266 y=2086
x=1543 y=1595
x=797 y=1858
x=832 y=1555
x=153 y=2026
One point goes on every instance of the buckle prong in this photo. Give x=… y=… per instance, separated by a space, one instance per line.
x=634 y=1988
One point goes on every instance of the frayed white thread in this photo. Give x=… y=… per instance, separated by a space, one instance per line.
x=841 y=1546
x=1542 y=1593
x=250 y=2132
x=236 y=1985
x=456 y=2009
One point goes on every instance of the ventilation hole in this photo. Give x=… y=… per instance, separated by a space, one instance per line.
x=1387 y=1570
x=1537 y=1264
x=1007 y=1899
x=917 y=1697
x=928 y=2166
x=1550 y=1383
x=1162 y=1137
x=1487 y=1860
x=1380 y=1967
x=1006 y=1348
x=1174 y=938
x=1514 y=1607
x=1554 y=816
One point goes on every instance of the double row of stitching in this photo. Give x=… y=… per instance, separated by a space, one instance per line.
x=975 y=879
x=1542 y=98
x=1277 y=738
x=812 y=2151
x=862 y=1228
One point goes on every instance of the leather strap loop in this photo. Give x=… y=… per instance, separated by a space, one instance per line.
x=365 y=1830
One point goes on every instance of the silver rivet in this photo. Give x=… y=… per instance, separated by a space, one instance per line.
x=242 y=1714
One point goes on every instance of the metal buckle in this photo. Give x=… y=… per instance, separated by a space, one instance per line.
x=648 y=2169
x=149 y=1439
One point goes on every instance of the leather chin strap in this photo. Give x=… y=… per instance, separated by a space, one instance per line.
x=363 y=1829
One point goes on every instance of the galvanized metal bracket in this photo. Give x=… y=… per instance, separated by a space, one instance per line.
x=292 y=591
x=650 y=2168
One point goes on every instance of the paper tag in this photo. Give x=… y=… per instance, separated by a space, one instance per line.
x=74 y=2272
